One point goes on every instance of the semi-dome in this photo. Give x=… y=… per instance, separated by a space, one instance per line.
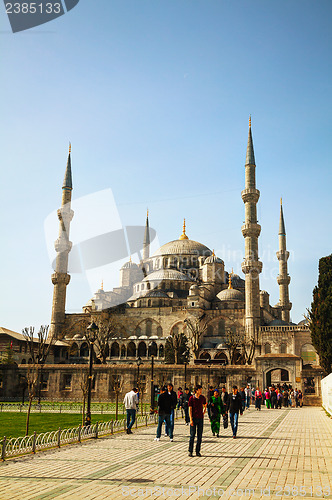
x=157 y=293
x=230 y=294
x=167 y=274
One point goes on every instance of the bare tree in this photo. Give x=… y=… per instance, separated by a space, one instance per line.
x=84 y=385
x=240 y=347
x=38 y=348
x=117 y=385
x=106 y=330
x=196 y=329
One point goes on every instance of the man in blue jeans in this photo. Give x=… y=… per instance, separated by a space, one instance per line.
x=130 y=402
x=234 y=407
x=164 y=412
x=197 y=409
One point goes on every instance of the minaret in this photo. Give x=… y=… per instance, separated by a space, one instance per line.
x=283 y=279
x=60 y=278
x=251 y=266
x=146 y=241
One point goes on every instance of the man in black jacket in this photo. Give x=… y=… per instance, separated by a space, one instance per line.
x=234 y=407
x=169 y=430
x=164 y=412
x=184 y=400
x=224 y=396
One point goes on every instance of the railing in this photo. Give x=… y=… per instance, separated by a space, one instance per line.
x=107 y=408
x=36 y=442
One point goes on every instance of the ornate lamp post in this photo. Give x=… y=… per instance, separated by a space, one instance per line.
x=91 y=337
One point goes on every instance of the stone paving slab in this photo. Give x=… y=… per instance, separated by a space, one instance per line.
x=283 y=453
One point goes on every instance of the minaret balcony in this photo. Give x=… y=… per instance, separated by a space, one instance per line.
x=62 y=245
x=60 y=278
x=249 y=266
x=251 y=229
x=250 y=195
x=283 y=255
x=283 y=280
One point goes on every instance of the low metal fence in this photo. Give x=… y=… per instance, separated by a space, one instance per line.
x=102 y=409
x=55 y=439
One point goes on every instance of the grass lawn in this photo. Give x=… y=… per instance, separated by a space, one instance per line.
x=13 y=424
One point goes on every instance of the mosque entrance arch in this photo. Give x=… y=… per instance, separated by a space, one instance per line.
x=276 y=376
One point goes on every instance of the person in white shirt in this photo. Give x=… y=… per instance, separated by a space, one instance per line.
x=130 y=402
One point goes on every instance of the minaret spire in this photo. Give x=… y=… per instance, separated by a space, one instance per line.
x=61 y=278
x=283 y=278
x=251 y=266
x=146 y=241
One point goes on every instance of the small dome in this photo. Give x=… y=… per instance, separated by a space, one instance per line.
x=129 y=265
x=132 y=337
x=304 y=321
x=143 y=337
x=78 y=336
x=194 y=287
x=230 y=294
x=154 y=337
x=167 y=274
x=264 y=292
x=213 y=259
x=277 y=322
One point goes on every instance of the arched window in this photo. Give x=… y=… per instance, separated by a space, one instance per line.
x=222 y=358
x=84 y=351
x=141 y=351
x=221 y=327
x=283 y=348
x=209 y=330
x=148 y=328
x=159 y=331
x=161 y=351
x=267 y=348
x=153 y=349
x=205 y=355
x=123 y=351
x=138 y=331
x=131 y=350
x=115 y=350
x=149 y=303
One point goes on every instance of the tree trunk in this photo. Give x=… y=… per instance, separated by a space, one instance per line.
x=28 y=416
x=116 y=405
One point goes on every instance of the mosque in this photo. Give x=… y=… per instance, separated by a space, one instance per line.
x=184 y=283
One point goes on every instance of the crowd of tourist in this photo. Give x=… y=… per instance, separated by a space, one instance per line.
x=221 y=406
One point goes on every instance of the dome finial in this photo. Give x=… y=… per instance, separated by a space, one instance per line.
x=69 y=147
x=230 y=280
x=102 y=285
x=147 y=212
x=280 y=201
x=130 y=259
x=213 y=254
x=183 y=235
x=249 y=120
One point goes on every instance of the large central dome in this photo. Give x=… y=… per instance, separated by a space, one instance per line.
x=183 y=247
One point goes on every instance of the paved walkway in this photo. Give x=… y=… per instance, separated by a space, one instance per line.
x=278 y=454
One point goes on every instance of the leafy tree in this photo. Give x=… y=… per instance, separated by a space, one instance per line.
x=177 y=349
x=320 y=315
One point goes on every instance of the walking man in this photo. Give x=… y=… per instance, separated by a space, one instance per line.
x=130 y=402
x=247 y=392
x=164 y=413
x=184 y=402
x=197 y=409
x=234 y=408
x=174 y=400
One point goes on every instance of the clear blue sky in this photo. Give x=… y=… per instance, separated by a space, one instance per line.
x=155 y=97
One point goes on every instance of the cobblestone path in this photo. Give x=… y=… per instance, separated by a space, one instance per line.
x=278 y=454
